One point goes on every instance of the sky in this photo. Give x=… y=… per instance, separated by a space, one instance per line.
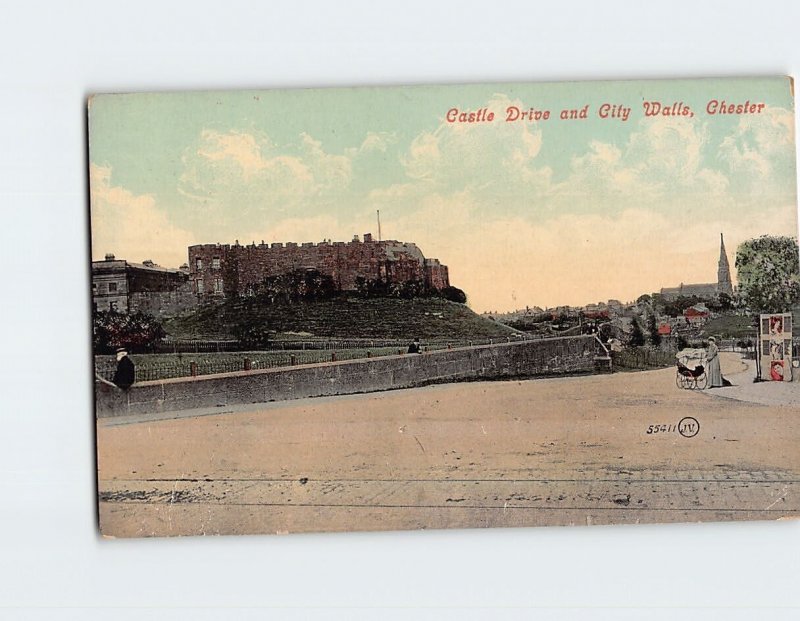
x=524 y=213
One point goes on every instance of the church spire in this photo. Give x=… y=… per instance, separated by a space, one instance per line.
x=724 y=284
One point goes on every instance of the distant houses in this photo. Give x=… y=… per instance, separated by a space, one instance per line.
x=697 y=314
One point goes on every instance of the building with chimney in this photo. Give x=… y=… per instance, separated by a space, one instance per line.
x=124 y=287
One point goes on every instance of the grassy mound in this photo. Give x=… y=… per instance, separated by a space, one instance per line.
x=341 y=317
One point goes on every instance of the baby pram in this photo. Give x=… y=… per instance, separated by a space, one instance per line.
x=691 y=372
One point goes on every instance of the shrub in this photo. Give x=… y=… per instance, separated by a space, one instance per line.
x=253 y=337
x=454 y=294
x=637 y=336
x=136 y=331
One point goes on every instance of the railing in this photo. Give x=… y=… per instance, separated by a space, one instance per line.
x=643 y=358
x=191 y=346
x=204 y=362
x=220 y=346
x=164 y=366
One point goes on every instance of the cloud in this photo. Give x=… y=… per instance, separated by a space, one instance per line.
x=375 y=142
x=232 y=179
x=661 y=165
x=760 y=151
x=132 y=226
x=485 y=157
x=670 y=164
x=238 y=149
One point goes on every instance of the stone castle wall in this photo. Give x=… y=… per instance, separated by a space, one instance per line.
x=223 y=269
x=162 y=303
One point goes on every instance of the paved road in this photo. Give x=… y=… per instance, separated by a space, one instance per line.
x=577 y=450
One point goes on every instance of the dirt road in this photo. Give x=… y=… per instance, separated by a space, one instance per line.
x=574 y=450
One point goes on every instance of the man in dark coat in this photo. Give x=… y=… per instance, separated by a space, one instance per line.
x=126 y=373
x=415 y=347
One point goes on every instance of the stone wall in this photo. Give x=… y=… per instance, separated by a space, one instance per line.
x=233 y=269
x=436 y=274
x=508 y=360
x=162 y=303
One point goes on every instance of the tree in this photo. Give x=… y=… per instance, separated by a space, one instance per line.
x=407 y=290
x=253 y=336
x=454 y=294
x=720 y=303
x=637 y=336
x=297 y=286
x=371 y=287
x=725 y=301
x=769 y=273
x=677 y=306
x=136 y=330
x=652 y=328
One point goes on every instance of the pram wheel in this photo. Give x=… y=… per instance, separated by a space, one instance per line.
x=701 y=382
x=684 y=381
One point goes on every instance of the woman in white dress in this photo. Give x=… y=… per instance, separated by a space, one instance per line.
x=713 y=369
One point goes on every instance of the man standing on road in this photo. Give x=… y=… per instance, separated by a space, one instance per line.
x=126 y=372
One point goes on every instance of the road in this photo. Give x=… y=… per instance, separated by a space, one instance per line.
x=560 y=451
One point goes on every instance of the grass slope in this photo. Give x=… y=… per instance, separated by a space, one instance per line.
x=341 y=317
x=730 y=326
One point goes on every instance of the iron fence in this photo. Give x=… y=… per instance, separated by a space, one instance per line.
x=222 y=346
x=208 y=360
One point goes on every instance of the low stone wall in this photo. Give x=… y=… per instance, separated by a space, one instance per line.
x=522 y=359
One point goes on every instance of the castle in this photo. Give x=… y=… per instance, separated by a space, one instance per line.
x=706 y=290
x=228 y=270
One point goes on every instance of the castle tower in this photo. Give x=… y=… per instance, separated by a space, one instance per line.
x=724 y=284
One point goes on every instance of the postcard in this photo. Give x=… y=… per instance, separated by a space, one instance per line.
x=427 y=307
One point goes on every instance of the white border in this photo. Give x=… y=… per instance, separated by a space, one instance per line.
x=55 y=54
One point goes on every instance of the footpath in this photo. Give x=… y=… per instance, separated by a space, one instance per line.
x=741 y=372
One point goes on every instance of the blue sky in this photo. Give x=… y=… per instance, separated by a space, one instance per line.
x=524 y=213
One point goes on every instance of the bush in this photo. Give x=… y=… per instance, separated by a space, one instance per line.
x=297 y=286
x=637 y=336
x=408 y=290
x=371 y=287
x=652 y=328
x=253 y=337
x=454 y=294
x=136 y=331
